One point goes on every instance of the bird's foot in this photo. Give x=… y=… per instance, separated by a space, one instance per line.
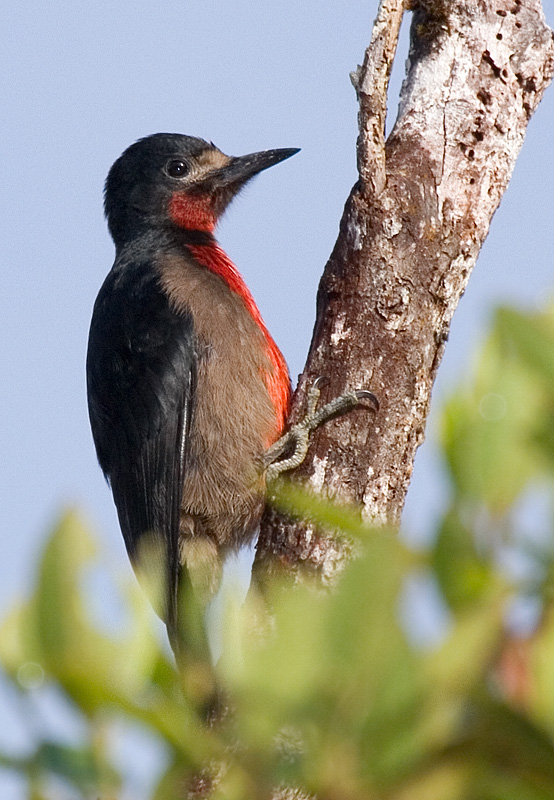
x=298 y=435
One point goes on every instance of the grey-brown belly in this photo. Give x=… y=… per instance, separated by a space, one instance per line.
x=233 y=422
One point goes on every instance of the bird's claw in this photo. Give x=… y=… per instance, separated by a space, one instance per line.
x=364 y=394
x=313 y=394
x=299 y=433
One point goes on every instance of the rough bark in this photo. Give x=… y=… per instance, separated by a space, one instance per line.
x=409 y=237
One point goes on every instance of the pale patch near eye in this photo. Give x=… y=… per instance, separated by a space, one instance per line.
x=204 y=163
x=210 y=160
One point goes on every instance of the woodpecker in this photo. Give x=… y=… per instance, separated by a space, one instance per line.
x=187 y=389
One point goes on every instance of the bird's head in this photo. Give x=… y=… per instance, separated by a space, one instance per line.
x=171 y=179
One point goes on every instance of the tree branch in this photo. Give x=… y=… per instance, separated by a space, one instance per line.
x=409 y=237
x=371 y=82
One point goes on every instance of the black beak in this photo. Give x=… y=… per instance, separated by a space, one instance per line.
x=241 y=168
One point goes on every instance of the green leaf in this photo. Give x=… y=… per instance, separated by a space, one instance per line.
x=533 y=337
x=129 y=673
x=463 y=576
x=89 y=664
x=79 y=765
x=488 y=431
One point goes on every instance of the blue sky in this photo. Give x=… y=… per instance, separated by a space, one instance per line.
x=81 y=82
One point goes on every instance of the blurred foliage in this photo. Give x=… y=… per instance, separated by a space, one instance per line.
x=336 y=699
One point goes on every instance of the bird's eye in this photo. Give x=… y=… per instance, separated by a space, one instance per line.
x=176 y=168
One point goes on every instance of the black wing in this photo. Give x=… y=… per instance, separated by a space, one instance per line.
x=141 y=375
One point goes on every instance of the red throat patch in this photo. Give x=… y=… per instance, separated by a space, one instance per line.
x=192 y=211
x=277 y=379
